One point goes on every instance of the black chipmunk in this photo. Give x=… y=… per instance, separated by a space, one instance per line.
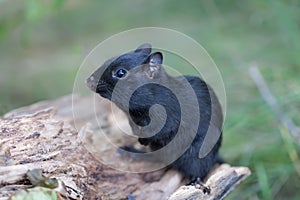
x=117 y=80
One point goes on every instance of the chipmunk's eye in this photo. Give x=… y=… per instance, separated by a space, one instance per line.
x=120 y=73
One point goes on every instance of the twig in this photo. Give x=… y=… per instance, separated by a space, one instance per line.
x=272 y=102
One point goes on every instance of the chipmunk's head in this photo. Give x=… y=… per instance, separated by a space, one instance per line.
x=128 y=69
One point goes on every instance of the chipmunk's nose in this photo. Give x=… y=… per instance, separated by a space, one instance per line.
x=91 y=83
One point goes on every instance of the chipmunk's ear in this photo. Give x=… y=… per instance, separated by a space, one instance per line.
x=154 y=62
x=155 y=59
x=145 y=48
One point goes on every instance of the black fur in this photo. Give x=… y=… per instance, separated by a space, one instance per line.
x=142 y=66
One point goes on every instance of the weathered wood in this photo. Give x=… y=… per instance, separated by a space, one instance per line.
x=221 y=182
x=44 y=136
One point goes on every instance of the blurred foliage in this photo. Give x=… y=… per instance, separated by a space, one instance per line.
x=43 y=42
x=36 y=193
x=34 y=9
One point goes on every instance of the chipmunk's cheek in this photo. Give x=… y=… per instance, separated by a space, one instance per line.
x=103 y=91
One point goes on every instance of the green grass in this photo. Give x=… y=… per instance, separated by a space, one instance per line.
x=42 y=46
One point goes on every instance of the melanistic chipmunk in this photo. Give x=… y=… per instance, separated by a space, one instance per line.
x=136 y=81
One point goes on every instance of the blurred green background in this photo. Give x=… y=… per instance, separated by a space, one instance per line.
x=43 y=42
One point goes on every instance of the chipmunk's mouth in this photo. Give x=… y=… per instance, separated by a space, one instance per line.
x=98 y=86
x=95 y=85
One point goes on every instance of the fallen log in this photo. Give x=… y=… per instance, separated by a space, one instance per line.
x=45 y=138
